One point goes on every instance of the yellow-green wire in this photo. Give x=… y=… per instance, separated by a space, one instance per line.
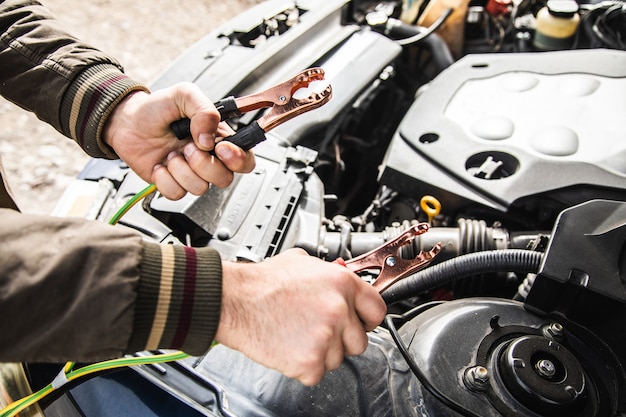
x=68 y=369
x=70 y=374
x=19 y=405
x=130 y=203
x=14 y=408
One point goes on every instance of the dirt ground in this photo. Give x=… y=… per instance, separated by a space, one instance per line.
x=144 y=36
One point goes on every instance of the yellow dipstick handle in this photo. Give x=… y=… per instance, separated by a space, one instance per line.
x=431 y=207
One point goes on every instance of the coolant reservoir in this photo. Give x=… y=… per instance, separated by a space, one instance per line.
x=557 y=23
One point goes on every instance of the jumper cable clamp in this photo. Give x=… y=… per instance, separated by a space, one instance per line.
x=386 y=259
x=280 y=101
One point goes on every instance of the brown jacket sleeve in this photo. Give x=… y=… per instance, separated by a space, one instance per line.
x=79 y=290
x=72 y=289
x=65 y=82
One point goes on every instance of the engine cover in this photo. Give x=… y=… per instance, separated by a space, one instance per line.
x=520 y=125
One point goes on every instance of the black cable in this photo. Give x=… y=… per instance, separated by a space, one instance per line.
x=609 y=27
x=505 y=260
x=603 y=25
x=431 y=29
x=424 y=381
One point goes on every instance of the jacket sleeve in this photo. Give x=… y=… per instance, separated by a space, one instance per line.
x=65 y=82
x=78 y=290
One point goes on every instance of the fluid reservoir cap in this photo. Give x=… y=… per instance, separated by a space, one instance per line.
x=562 y=8
x=543 y=375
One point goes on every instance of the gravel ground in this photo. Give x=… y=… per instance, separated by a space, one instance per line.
x=144 y=36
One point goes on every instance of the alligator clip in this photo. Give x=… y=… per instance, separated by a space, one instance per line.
x=279 y=99
x=388 y=261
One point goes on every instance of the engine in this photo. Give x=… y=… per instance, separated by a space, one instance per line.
x=476 y=117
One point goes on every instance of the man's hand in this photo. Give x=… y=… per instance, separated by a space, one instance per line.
x=139 y=132
x=297 y=314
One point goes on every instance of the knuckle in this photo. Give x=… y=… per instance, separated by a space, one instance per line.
x=199 y=188
x=357 y=345
x=335 y=311
x=223 y=180
x=174 y=194
x=323 y=336
x=306 y=369
x=311 y=375
x=311 y=379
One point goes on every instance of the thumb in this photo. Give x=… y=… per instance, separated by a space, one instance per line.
x=204 y=117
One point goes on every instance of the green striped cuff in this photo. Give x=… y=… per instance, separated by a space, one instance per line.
x=179 y=299
x=89 y=101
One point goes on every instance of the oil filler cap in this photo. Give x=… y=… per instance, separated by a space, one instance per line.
x=543 y=375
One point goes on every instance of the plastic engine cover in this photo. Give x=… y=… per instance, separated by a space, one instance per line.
x=519 y=125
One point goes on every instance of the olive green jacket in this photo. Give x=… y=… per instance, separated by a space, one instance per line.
x=78 y=290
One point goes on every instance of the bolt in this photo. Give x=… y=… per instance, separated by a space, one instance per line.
x=391 y=261
x=481 y=374
x=545 y=368
x=477 y=378
x=554 y=331
x=282 y=98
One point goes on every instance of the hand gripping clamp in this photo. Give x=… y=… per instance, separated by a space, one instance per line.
x=279 y=99
x=388 y=261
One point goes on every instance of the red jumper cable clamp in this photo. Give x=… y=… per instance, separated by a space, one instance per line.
x=388 y=261
x=279 y=99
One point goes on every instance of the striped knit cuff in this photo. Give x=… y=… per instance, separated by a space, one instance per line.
x=178 y=299
x=89 y=101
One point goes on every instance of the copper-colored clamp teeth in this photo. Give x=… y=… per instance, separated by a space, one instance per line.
x=294 y=107
x=387 y=260
x=280 y=94
x=402 y=268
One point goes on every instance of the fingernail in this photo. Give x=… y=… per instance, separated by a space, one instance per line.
x=223 y=152
x=189 y=149
x=171 y=155
x=206 y=140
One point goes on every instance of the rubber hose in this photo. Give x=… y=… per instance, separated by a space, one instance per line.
x=505 y=260
x=436 y=45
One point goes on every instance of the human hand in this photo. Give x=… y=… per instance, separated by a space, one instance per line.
x=139 y=132
x=296 y=313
